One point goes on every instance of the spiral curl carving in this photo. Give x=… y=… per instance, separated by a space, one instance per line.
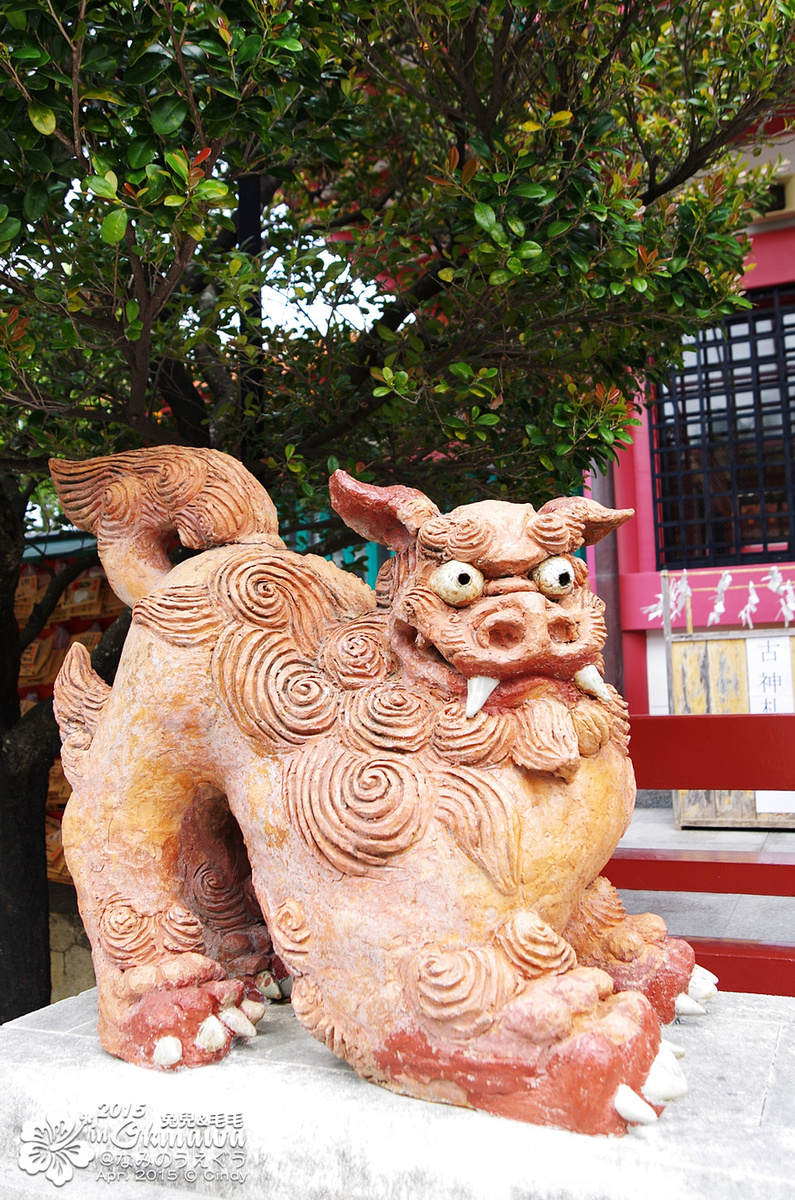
x=483 y=820
x=180 y=479
x=127 y=936
x=385 y=583
x=244 y=589
x=601 y=907
x=385 y=718
x=433 y=535
x=181 y=616
x=355 y=812
x=470 y=538
x=182 y=930
x=126 y=506
x=620 y=710
x=73 y=751
x=289 y=926
x=276 y=592
x=471 y=741
x=357 y=653
x=593 y=725
x=310 y=1009
x=533 y=947
x=462 y=992
x=553 y=532
x=216 y=897
x=271 y=691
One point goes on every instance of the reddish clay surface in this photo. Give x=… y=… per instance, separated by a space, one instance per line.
x=400 y=800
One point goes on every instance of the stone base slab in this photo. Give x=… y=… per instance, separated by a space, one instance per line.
x=281 y=1118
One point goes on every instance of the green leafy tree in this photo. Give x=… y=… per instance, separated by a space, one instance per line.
x=533 y=203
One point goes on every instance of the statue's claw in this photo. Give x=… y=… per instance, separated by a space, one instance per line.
x=632 y=1107
x=702 y=985
x=677 y=1050
x=686 y=1006
x=213 y=1035
x=253 y=1009
x=236 y=1020
x=168 y=1052
x=665 y=1081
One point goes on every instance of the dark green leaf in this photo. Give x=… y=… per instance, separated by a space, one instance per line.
x=168 y=114
x=485 y=216
x=249 y=48
x=534 y=191
x=48 y=293
x=140 y=152
x=37 y=198
x=9 y=229
x=148 y=67
x=114 y=226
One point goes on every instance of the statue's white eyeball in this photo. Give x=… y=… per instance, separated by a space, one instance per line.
x=554 y=576
x=457 y=583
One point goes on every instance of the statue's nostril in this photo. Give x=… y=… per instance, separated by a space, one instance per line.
x=505 y=634
x=563 y=629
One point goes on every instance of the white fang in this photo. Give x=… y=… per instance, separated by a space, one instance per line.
x=479 y=688
x=589 y=680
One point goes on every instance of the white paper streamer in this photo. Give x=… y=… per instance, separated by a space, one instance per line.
x=748 y=610
x=719 y=606
x=787 y=607
x=680 y=593
x=654 y=611
x=775 y=581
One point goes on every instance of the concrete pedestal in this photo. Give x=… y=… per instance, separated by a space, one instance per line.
x=282 y=1119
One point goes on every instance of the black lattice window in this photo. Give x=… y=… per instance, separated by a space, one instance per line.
x=723 y=464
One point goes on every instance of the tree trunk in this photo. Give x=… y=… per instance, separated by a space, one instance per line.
x=28 y=752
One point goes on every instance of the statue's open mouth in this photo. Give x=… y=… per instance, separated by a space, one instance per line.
x=480 y=687
x=424 y=660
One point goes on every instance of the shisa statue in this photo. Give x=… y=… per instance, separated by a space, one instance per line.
x=402 y=799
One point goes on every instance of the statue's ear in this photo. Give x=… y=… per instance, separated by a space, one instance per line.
x=388 y=515
x=592 y=521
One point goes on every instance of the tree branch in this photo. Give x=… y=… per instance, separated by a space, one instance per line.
x=372 y=352
x=176 y=386
x=699 y=156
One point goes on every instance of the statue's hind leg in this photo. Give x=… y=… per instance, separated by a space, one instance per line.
x=158 y=863
x=165 y=936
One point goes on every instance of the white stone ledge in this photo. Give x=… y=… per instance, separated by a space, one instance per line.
x=314 y=1131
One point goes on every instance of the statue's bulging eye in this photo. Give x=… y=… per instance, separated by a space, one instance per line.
x=457 y=583
x=554 y=577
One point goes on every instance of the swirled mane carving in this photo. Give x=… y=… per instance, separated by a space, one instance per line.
x=395 y=803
